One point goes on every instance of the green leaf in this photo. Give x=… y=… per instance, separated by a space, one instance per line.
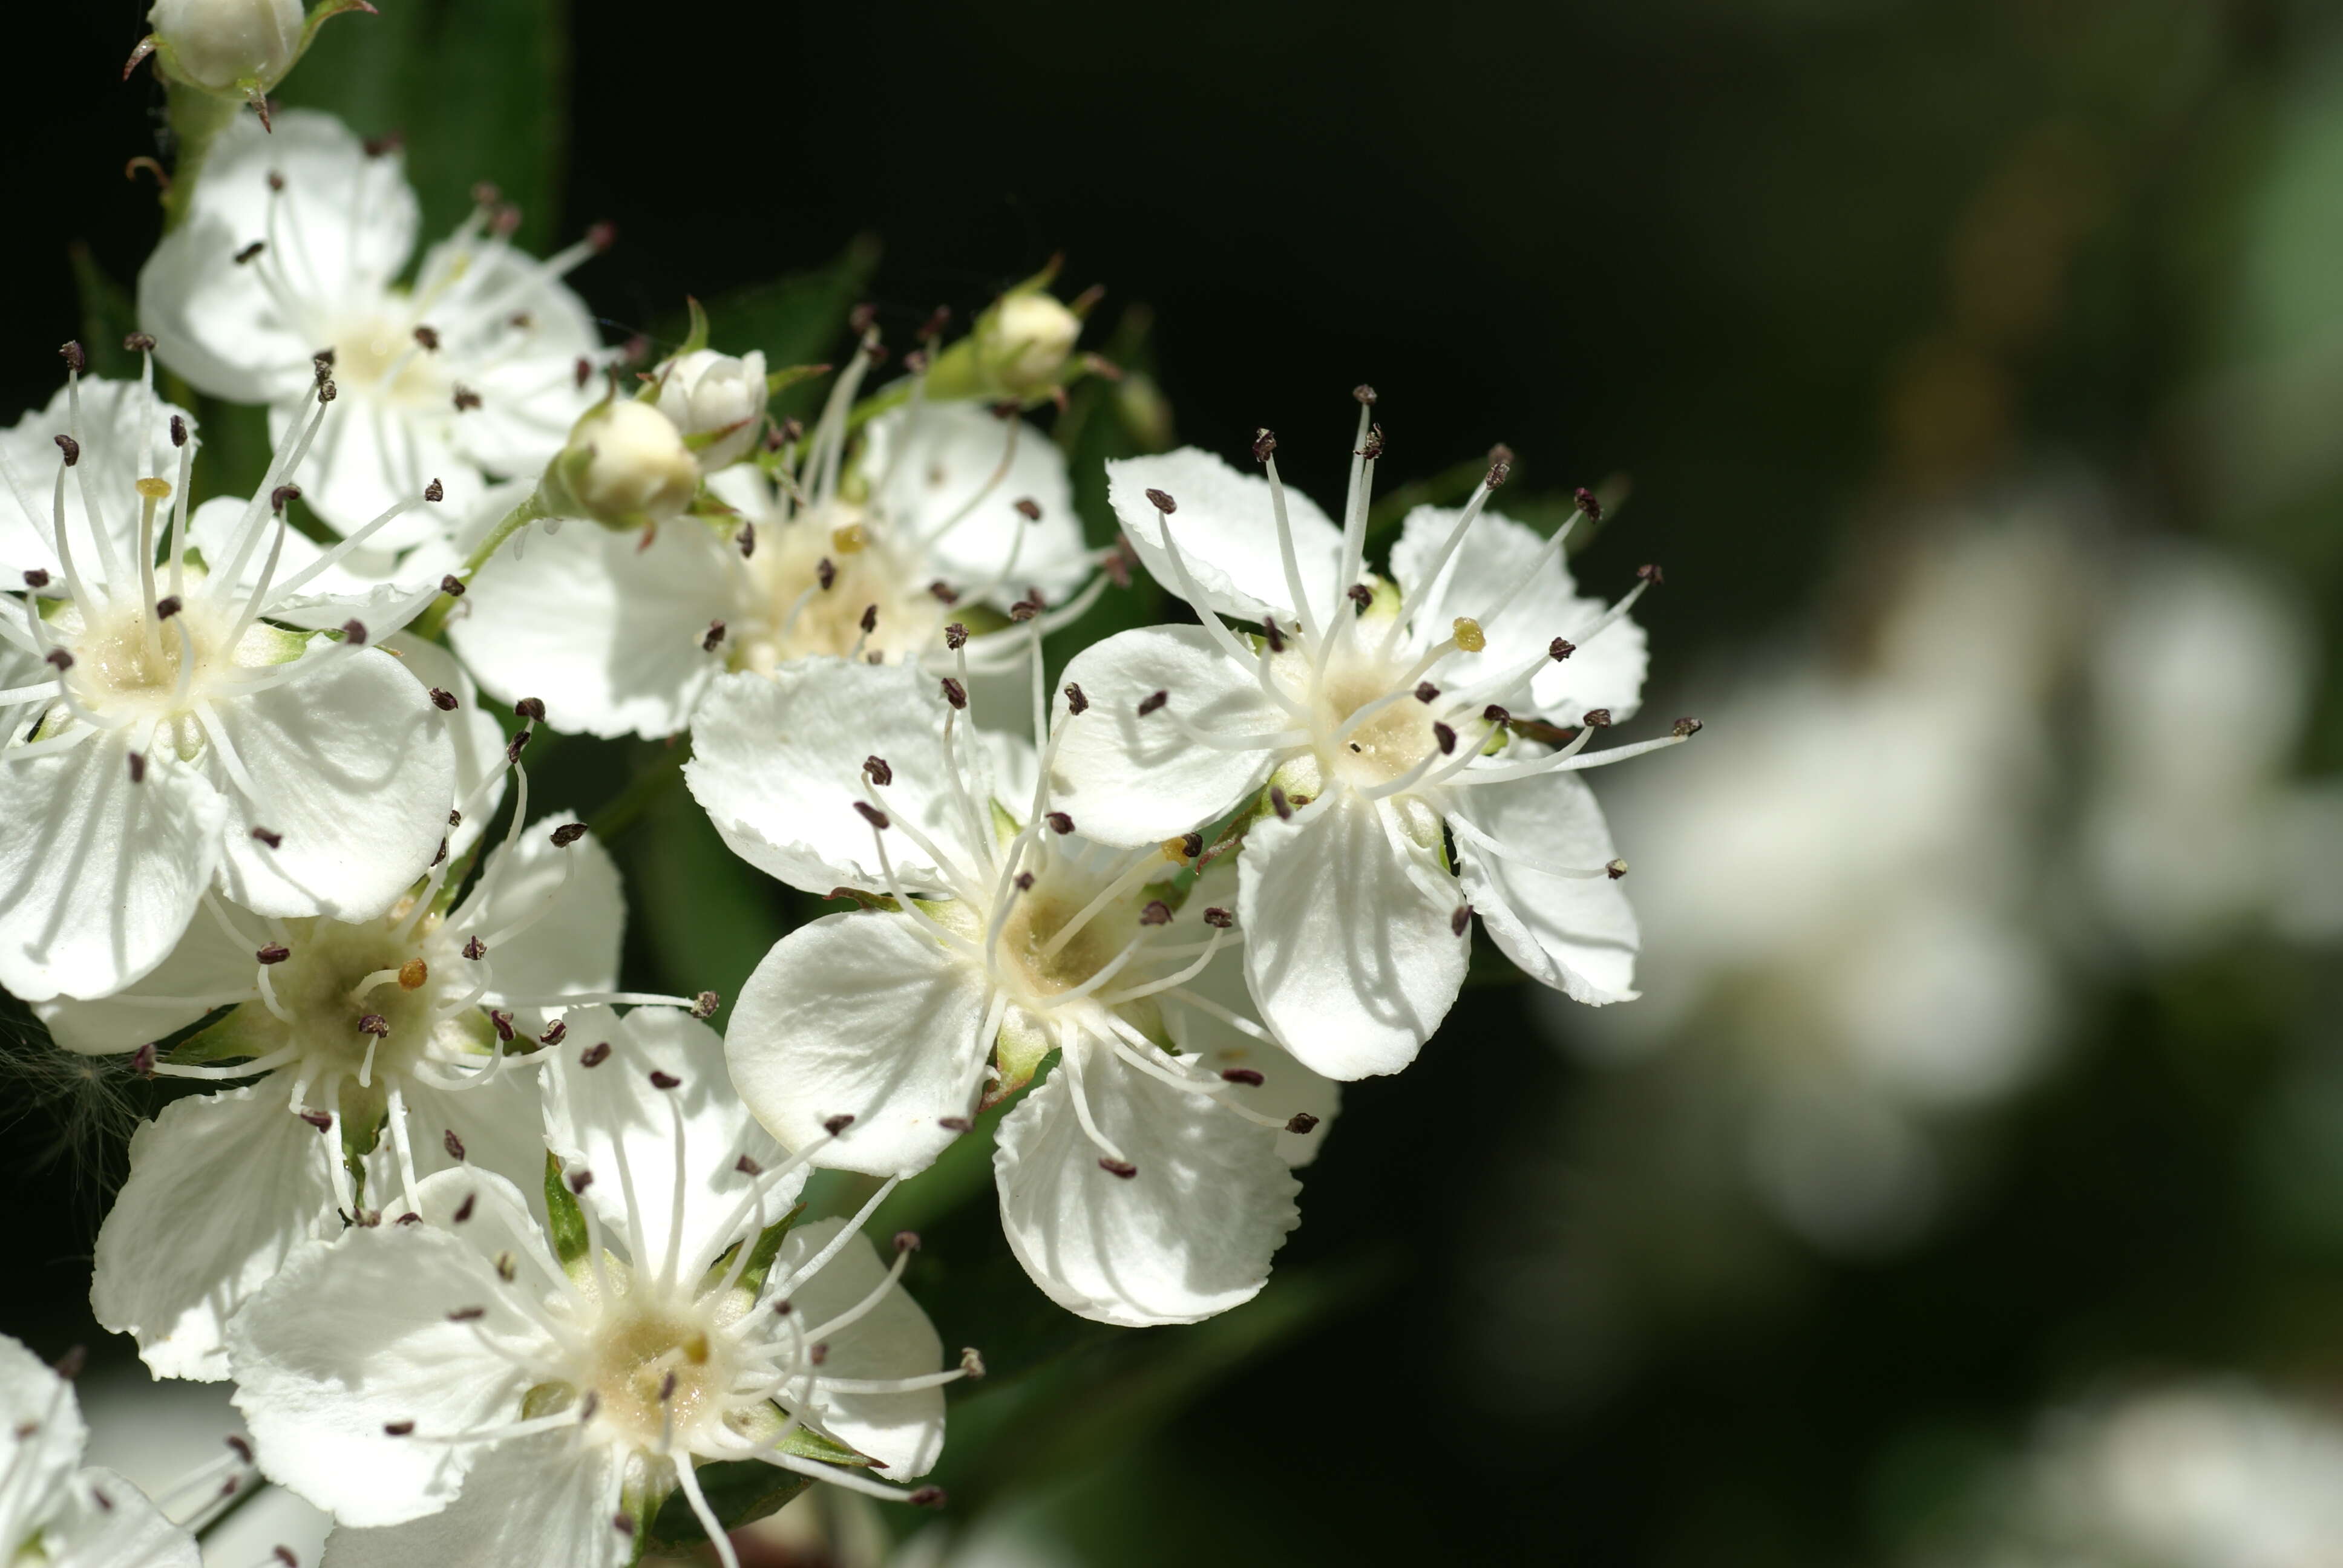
x=709 y=917
x=567 y=1220
x=108 y=317
x=478 y=88
x=760 y=1260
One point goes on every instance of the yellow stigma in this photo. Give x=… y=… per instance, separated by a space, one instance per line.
x=154 y=489
x=413 y=973
x=1469 y=636
x=850 y=539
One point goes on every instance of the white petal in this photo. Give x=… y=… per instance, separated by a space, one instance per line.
x=777 y=765
x=354 y=769
x=1287 y=1087
x=1608 y=670
x=125 y=1531
x=1130 y=780
x=98 y=875
x=476 y=739
x=929 y=463
x=528 y=380
x=223 y=1188
x=369 y=585
x=1226 y=532
x=40 y=1439
x=125 y=435
x=605 y=632
x=500 y=1124
x=905 y=1432
x=671 y=1154
x=574 y=946
x=208 y=961
x=1192 y=1234
x=345 y=227
x=352 y=1336
x=1577 y=934
x=863 y=1015
x=374 y=450
x=1352 y=964
x=546 y=1498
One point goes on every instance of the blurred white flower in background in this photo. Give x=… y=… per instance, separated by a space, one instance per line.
x=1841 y=886
x=2210 y=1475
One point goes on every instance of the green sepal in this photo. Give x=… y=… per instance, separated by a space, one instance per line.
x=696 y=338
x=700 y=440
x=779 y=381
x=1005 y=827
x=868 y=900
x=738 y=1492
x=706 y=503
x=242 y=1033
x=1018 y=1050
x=566 y=1220
x=760 y=1258
x=807 y=1443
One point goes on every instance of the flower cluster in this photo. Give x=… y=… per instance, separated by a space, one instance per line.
x=502 y=1256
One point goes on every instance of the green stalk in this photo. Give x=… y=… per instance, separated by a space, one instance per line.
x=196 y=119
x=434 y=621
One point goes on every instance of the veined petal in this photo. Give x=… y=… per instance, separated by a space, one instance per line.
x=673 y=1153
x=500 y=1124
x=123 y=1531
x=571 y=948
x=1353 y=963
x=905 y=1432
x=223 y=1188
x=603 y=628
x=374 y=450
x=353 y=1337
x=208 y=961
x=1131 y=779
x=1492 y=565
x=1577 y=934
x=368 y=585
x=863 y=1015
x=99 y=876
x=40 y=1438
x=929 y=462
x=478 y=741
x=527 y=384
x=777 y=763
x=121 y=423
x=355 y=772
x=1191 y=1235
x=547 y=1499
x=1226 y=532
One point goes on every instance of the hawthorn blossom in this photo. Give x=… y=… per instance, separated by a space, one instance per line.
x=163 y=734
x=1143 y=1181
x=395 y=1043
x=291 y=258
x=947 y=514
x=477 y=1387
x=1380 y=716
x=53 y=1513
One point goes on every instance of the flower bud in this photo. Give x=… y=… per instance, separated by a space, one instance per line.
x=626 y=466
x=716 y=401
x=1018 y=349
x=228 y=46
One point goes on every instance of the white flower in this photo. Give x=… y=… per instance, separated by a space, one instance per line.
x=473 y=1390
x=1372 y=717
x=2217 y=1474
x=291 y=253
x=1139 y=1183
x=946 y=505
x=718 y=399
x=228 y=46
x=392 y=1038
x=161 y=733
x=52 y=1512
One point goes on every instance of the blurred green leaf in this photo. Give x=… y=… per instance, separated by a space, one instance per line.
x=108 y=317
x=710 y=918
x=739 y=1490
x=478 y=89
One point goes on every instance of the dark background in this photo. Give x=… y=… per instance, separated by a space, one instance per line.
x=1791 y=265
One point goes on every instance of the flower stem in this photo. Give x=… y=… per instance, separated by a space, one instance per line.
x=434 y=621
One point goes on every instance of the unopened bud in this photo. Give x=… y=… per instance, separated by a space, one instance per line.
x=227 y=46
x=626 y=466
x=717 y=401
